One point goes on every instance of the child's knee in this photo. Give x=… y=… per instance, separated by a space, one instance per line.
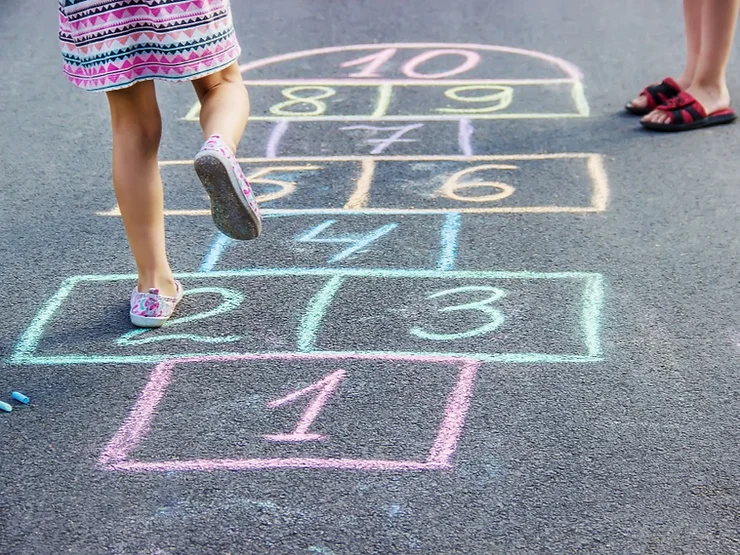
x=146 y=133
x=229 y=75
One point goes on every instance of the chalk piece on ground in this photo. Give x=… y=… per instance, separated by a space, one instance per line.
x=6 y=407
x=20 y=397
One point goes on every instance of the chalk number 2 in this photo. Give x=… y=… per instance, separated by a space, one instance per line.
x=231 y=299
x=494 y=315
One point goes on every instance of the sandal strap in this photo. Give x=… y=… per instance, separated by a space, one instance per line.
x=683 y=108
x=662 y=92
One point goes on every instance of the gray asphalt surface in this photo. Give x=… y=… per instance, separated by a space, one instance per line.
x=633 y=448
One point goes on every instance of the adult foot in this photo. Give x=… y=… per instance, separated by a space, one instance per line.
x=711 y=98
x=666 y=89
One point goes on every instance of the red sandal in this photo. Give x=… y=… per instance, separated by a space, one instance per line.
x=687 y=113
x=656 y=95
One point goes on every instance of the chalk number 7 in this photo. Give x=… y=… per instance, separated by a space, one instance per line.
x=495 y=316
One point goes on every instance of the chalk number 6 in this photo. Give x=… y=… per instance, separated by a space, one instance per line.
x=495 y=316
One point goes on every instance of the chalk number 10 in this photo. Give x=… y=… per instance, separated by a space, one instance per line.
x=374 y=62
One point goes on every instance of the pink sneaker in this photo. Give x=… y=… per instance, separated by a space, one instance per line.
x=150 y=309
x=233 y=206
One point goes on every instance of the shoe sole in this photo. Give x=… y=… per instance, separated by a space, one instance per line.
x=147 y=321
x=156 y=321
x=230 y=211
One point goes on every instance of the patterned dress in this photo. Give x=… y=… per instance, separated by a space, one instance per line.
x=112 y=44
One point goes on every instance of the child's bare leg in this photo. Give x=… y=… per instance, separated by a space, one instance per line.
x=709 y=86
x=224 y=105
x=692 y=18
x=137 y=130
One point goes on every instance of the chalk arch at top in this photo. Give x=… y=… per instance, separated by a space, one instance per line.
x=405 y=62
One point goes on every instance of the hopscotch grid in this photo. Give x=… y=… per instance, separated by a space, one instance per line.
x=314 y=315
x=414 y=117
x=571 y=70
x=139 y=421
x=215 y=251
x=24 y=351
x=502 y=358
x=30 y=338
x=593 y=304
x=388 y=211
x=597 y=172
x=358 y=199
x=371 y=82
x=448 y=249
x=385 y=94
x=579 y=99
x=356 y=203
x=385 y=89
x=403 y=158
x=447 y=256
x=349 y=272
x=267 y=464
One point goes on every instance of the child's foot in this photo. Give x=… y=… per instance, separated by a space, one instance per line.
x=656 y=94
x=233 y=206
x=711 y=102
x=150 y=309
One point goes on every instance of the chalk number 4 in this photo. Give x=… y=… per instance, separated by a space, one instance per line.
x=494 y=316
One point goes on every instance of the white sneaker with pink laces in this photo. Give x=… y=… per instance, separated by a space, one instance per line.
x=233 y=206
x=150 y=309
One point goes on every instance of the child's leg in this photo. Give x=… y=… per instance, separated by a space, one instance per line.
x=692 y=18
x=223 y=117
x=224 y=105
x=137 y=130
x=709 y=86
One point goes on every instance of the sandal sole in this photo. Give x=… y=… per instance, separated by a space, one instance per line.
x=675 y=127
x=230 y=211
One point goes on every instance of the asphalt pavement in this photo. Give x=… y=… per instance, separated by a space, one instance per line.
x=489 y=313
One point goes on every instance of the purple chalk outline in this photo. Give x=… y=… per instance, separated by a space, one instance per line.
x=568 y=68
x=138 y=423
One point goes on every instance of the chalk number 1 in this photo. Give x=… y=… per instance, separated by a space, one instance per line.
x=494 y=315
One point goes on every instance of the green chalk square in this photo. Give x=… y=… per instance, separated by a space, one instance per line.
x=490 y=316
x=330 y=285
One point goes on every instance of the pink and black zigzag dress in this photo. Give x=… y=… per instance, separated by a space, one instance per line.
x=112 y=44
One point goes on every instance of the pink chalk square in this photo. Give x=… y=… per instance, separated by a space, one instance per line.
x=343 y=411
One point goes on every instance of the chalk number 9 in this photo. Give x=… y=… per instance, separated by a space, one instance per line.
x=494 y=316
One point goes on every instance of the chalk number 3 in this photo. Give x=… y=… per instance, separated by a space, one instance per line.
x=494 y=315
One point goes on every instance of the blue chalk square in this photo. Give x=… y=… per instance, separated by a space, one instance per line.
x=511 y=317
x=338 y=241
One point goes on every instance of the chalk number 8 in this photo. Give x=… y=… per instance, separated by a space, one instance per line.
x=313 y=101
x=495 y=316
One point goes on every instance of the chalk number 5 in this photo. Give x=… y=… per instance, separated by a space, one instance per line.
x=494 y=315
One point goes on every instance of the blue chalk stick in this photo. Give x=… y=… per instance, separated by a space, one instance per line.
x=18 y=396
x=6 y=407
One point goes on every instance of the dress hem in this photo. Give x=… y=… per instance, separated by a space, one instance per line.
x=178 y=79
